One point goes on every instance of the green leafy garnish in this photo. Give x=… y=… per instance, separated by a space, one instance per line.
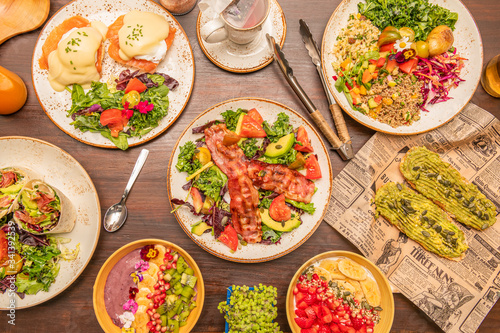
x=249 y=147
x=287 y=158
x=308 y=208
x=420 y=15
x=185 y=162
x=211 y=182
x=231 y=118
x=280 y=128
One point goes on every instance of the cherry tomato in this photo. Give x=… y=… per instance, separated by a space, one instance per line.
x=13 y=92
x=133 y=98
x=407 y=32
x=313 y=170
x=422 y=49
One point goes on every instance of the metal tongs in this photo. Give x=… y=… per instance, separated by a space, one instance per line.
x=344 y=149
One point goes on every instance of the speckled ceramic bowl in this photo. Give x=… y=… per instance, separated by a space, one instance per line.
x=178 y=63
x=289 y=241
x=56 y=167
x=468 y=43
x=98 y=296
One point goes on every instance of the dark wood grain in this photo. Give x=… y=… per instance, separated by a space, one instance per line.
x=149 y=209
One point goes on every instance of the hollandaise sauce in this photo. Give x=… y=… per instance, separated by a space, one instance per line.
x=143 y=36
x=74 y=60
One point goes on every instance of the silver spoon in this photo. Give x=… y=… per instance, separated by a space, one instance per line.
x=116 y=215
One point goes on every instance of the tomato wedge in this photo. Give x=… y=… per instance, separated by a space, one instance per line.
x=391 y=64
x=313 y=170
x=3 y=248
x=114 y=119
x=135 y=84
x=255 y=115
x=229 y=237
x=278 y=210
x=367 y=76
x=303 y=138
x=409 y=66
x=381 y=62
x=250 y=128
x=387 y=47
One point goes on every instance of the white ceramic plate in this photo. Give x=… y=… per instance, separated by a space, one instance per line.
x=179 y=64
x=289 y=241
x=245 y=58
x=60 y=169
x=468 y=43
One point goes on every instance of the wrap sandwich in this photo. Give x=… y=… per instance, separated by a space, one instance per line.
x=43 y=209
x=12 y=180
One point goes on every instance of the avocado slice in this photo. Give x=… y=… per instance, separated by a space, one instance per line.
x=281 y=147
x=199 y=228
x=27 y=202
x=13 y=189
x=285 y=226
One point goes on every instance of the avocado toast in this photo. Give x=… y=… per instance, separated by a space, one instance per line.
x=437 y=180
x=421 y=220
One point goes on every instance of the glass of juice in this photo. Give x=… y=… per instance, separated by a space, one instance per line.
x=490 y=79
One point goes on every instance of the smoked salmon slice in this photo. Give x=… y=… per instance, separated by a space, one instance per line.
x=114 y=47
x=56 y=35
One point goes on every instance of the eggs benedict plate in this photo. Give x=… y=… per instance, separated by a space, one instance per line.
x=158 y=45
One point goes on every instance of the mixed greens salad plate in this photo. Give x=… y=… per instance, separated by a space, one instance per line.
x=422 y=16
x=258 y=252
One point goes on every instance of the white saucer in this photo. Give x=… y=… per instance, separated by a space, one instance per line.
x=246 y=58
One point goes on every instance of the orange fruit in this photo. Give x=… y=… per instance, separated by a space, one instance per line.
x=12 y=92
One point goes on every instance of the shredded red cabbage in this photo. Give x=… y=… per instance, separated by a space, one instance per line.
x=439 y=74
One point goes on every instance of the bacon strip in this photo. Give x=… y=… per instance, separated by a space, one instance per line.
x=244 y=197
x=43 y=200
x=280 y=179
x=8 y=178
x=5 y=201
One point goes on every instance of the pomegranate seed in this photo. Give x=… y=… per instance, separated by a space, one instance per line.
x=162 y=288
x=162 y=301
x=168 y=251
x=162 y=283
x=174 y=265
x=312 y=290
x=295 y=291
x=156 y=286
x=169 y=266
x=176 y=256
x=149 y=296
x=165 y=260
x=158 y=327
x=319 y=298
x=150 y=305
x=169 y=257
x=156 y=316
x=315 y=277
x=163 y=267
x=157 y=292
x=164 y=329
x=149 y=312
x=319 y=290
x=301 y=278
x=156 y=306
x=167 y=286
x=158 y=321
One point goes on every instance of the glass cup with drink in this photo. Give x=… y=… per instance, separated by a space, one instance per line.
x=240 y=22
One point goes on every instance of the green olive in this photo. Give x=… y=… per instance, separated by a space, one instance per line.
x=407 y=32
x=132 y=97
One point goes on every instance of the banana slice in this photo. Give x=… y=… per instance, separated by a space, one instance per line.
x=333 y=267
x=143 y=292
x=358 y=293
x=161 y=254
x=142 y=301
x=147 y=282
x=141 y=318
x=352 y=269
x=371 y=291
x=347 y=286
x=153 y=269
x=322 y=273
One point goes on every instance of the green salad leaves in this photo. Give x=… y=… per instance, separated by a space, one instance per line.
x=279 y=129
x=420 y=15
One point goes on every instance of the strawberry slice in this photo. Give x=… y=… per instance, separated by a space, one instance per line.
x=326 y=315
x=334 y=328
x=302 y=305
x=310 y=299
x=357 y=323
x=300 y=313
x=324 y=329
x=310 y=313
x=304 y=322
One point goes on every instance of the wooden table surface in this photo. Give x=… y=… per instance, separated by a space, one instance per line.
x=148 y=204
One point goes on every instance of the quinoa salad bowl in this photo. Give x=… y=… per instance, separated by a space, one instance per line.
x=400 y=72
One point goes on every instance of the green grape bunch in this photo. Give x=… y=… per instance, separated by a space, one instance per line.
x=251 y=310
